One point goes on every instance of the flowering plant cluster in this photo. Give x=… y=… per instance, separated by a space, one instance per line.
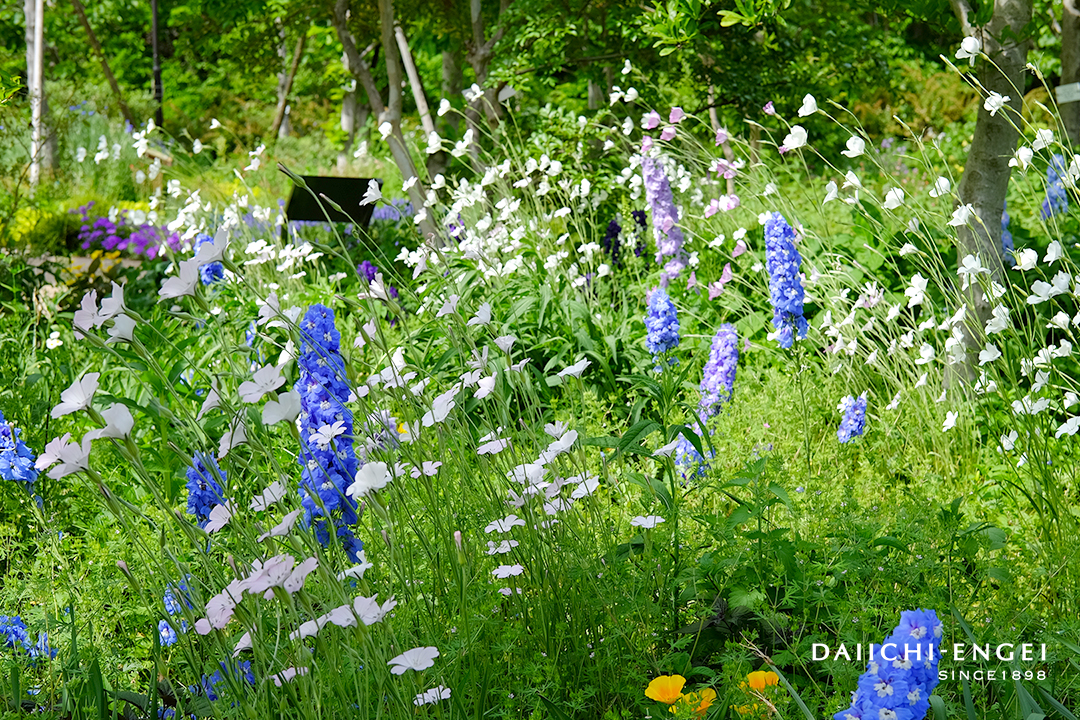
x=668 y=689
x=16 y=459
x=131 y=231
x=785 y=286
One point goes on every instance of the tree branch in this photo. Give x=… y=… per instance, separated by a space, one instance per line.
x=354 y=60
x=962 y=9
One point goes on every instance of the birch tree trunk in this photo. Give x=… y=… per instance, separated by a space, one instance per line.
x=392 y=115
x=414 y=81
x=354 y=59
x=281 y=116
x=1070 y=66
x=35 y=38
x=348 y=126
x=124 y=110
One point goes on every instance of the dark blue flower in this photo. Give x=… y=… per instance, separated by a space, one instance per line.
x=13 y=633
x=1057 y=198
x=211 y=272
x=662 y=322
x=782 y=261
x=854 y=421
x=16 y=459
x=205 y=480
x=167 y=633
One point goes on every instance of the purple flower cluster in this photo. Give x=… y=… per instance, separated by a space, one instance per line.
x=782 y=261
x=718 y=375
x=614 y=239
x=369 y=270
x=669 y=238
x=145 y=240
x=397 y=209
x=327 y=469
x=16 y=459
x=205 y=480
x=662 y=322
x=854 y=421
x=211 y=272
x=902 y=672
x=1057 y=198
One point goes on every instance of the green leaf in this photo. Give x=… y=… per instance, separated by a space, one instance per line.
x=780 y=493
x=553 y=709
x=968 y=705
x=635 y=434
x=795 y=696
x=890 y=542
x=939 y=707
x=1058 y=707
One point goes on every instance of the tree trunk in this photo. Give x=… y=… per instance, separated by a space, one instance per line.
x=285 y=87
x=354 y=59
x=479 y=57
x=392 y=114
x=35 y=71
x=348 y=126
x=159 y=91
x=414 y=81
x=595 y=97
x=1070 y=66
x=124 y=110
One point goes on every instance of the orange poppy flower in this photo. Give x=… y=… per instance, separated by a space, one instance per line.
x=699 y=701
x=761 y=679
x=666 y=688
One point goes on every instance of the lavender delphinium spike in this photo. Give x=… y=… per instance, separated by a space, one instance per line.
x=662 y=322
x=669 y=238
x=718 y=375
x=853 y=422
x=785 y=287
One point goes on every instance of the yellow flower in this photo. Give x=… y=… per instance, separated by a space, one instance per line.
x=760 y=679
x=666 y=688
x=699 y=702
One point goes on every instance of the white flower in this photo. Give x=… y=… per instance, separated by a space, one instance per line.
x=420 y=658
x=273 y=493
x=372 y=476
x=831 y=192
x=265 y=379
x=969 y=267
x=646 y=521
x=969 y=49
x=434 y=143
x=962 y=215
x=908 y=249
x=1026 y=259
x=989 y=354
x=440 y=408
x=72 y=456
x=666 y=450
x=118 y=422
x=122 y=330
x=576 y=369
x=926 y=354
x=284 y=527
x=1054 y=253
x=1043 y=138
x=916 y=294
x=286 y=407
x=504 y=525
x=1022 y=157
x=1069 y=427
x=370 y=612
x=236 y=435
x=809 y=106
x=894 y=198
x=950 y=421
x=444 y=107
x=942 y=186
x=483 y=315
x=77 y=396
x=373 y=193
x=219 y=517
x=325 y=434
x=995 y=102
x=432 y=696
x=856 y=146
x=54 y=340
x=504 y=571
x=796 y=138
x=183 y=283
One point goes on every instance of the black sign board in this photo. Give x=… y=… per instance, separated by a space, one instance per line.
x=346 y=192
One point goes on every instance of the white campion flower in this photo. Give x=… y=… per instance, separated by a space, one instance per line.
x=417 y=659
x=505 y=525
x=434 y=143
x=1022 y=157
x=444 y=107
x=994 y=102
x=266 y=379
x=894 y=198
x=989 y=354
x=666 y=450
x=926 y=354
x=950 y=421
x=1026 y=259
x=908 y=249
x=1054 y=252
x=219 y=517
x=962 y=215
x=236 y=435
x=809 y=106
x=373 y=194
x=371 y=477
x=485 y=386
x=916 y=293
x=796 y=138
x=274 y=492
x=504 y=571
x=118 y=422
x=286 y=407
x=942 y=186
x=325 y=434
x=449 y=307
x=856 y=146
x=576 y=369
x=831 y=192
x=970 y=266
x=648 y=522
x=483 y=315
x=284 y=527
x=72 y=456
x=1069 y=427
x=77 y=396
x=440 y=408
x=432 y=696
x=122 y=329
x=1043 y=138
x=184 y=283
x=969 y=50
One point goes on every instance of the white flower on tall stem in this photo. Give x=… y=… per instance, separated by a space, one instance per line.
x=856 y=146
x=184 y=283
x=235 y=435
x=286 y=407
x=77 y=396
x=994 y=102
x=942 y=186
x=265 y=379
x=274 y=492
x=118 y=422
x=648 y=522
x=219 y=517
x=969 y=50
x=418 y=659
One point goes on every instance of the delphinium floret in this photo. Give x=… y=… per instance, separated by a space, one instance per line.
x=327 y=468
x=1057 y=198
x=666 y=231
x=211 y=272
x=782 y=260
x=1007 y=246
x=662 y=323
x=16 y=459
x=853 y=422
x=205 y=480
x=13 y=633
x=899 y=689
x=718 y=375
